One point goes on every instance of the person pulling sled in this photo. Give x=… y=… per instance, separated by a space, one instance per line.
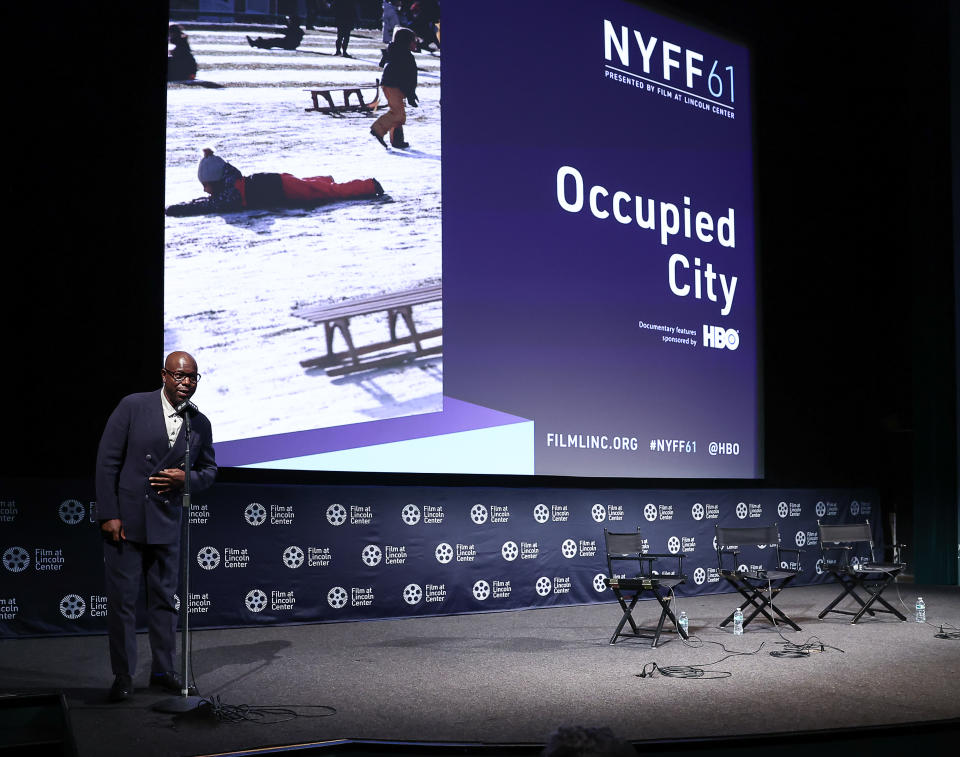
x=399 y=82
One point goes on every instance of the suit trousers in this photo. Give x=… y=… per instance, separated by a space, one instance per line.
x=126 y=565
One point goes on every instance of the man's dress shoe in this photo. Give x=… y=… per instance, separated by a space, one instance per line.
x=122 y=689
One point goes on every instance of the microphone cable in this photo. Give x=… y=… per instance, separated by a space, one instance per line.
x=791 y=650
x=697 y=670
x=261 y=714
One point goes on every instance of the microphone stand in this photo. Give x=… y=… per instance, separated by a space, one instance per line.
x=185 y=702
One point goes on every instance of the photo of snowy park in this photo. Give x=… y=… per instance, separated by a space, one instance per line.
x=237 y=283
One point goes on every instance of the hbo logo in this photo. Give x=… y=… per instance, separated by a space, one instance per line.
x=720 y=338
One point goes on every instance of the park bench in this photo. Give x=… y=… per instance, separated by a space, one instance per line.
x=396 y=305
x=333 y=109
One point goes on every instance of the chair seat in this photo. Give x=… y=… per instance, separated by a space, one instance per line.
x=878 y=567
x=670 y=581
x=640 y=581
x=772 y=575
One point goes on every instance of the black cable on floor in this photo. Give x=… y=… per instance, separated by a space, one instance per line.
x=792 y=651
x=952 y=632
x=695 y=671
x=260 y=714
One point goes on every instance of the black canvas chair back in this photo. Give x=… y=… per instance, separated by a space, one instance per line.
x=631 y=574
x=863 y=579
x=760 y=574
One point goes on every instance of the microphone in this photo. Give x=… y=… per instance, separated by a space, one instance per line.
x=186 y=406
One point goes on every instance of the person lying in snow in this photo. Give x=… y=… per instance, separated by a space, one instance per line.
x=291 y=39
x=229 y=191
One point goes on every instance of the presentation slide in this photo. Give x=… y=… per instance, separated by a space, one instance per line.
x=556 y=276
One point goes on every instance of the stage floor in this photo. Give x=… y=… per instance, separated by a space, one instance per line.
x=514 y=677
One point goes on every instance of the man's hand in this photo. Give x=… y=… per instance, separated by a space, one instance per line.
x=113 y=528
x=167 y=480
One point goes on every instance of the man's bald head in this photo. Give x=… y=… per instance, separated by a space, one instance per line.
x=172 y=363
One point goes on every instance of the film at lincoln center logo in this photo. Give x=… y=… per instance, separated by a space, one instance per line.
x=72 y=512
x=16 y=559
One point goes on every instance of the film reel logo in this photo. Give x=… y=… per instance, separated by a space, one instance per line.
x=443 y=553
x=336 y=515
x=255 y=514
x=337 y=597
x=16 y=559
x=742 y=510
x=650 y=512
x=293 y=557
x=854 y=508
x=544 y=585
x=478 y=514
x=510 y=551
x=481 y=590
x=72 y=512
x=800 y=538
x=782 y=510
x=72 y=607
x=673 y=545
x=412 y=594
x=599 y=583
x=599 y=513
x=821 y=509
x=541 y=513
x=410 y=515
x=820 y=567
x=371 y=555
x=569 y=548
x=697 y=511
x=208 y=558
x=699 y=576
x=256 y=600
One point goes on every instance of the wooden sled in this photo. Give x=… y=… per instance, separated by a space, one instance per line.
x=361 y=106
x=396 y=305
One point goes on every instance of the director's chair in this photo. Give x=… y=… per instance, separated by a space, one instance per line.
x=869 y=576
x=752 y=580
x=628 y=548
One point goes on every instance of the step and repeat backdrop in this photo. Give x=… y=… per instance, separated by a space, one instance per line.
x=275 y=554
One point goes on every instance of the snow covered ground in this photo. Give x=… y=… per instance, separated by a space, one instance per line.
x=234 y=282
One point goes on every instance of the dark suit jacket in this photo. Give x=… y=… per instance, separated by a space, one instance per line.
x=134 y=447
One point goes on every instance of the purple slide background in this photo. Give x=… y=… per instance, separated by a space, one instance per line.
x=541 y=306
x=456 y=416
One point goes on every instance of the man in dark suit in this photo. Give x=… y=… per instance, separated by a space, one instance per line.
x=140 y=477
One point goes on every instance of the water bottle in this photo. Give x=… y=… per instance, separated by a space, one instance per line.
x=684 y=623
x=921 y=611
x=738 y=622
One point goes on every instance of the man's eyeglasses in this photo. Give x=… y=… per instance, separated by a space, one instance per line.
x=179 y=377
